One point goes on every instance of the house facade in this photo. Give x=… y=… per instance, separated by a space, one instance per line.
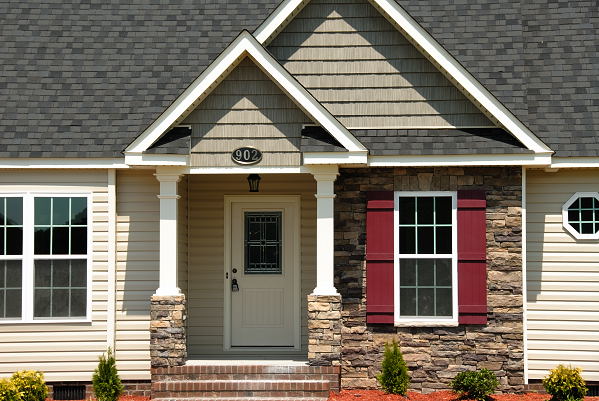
x=284 y=187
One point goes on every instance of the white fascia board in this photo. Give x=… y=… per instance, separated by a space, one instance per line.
x=436 y=52
x=335 y=158
x=460 y=160
x=575 y=162
x=89 y=163
x=247 y=170
x=245 y=43
x=141 y=159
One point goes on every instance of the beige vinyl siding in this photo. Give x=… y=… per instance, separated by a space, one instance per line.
x=562 y=277
x=206 y=256
x=366 y=73
x=246 y=109
x=63 y=351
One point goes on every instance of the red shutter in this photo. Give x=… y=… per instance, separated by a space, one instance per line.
x=472 y=257
x=379 y=257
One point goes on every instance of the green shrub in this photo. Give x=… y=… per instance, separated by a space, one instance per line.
x=476 y=385
x=565 y=384
x=30 y=384
x=394 y=378
x=106 y=381
x=8 y=391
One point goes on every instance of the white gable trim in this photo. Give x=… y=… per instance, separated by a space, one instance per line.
x=460 y=160
x=435 y=51
x=244 y=44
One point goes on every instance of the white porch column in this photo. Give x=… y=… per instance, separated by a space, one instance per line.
x=325 y=177
x=168 y=179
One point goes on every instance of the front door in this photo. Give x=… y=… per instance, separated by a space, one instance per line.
x=263 y=269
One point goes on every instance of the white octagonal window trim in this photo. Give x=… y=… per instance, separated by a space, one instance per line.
x=580 y=215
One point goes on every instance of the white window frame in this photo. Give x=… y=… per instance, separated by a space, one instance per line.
x=567 y=224
x=425 y=321
x=29 y=257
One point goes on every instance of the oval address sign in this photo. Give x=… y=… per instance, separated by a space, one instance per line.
x=246 y=155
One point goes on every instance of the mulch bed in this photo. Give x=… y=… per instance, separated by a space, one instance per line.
x=376 y=395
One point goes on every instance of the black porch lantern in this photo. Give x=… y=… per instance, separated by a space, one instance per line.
x=254 y=181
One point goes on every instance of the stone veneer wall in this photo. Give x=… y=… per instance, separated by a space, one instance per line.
x=168 y=343
x=434 y=355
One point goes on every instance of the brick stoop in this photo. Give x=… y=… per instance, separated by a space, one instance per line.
x=244 y=382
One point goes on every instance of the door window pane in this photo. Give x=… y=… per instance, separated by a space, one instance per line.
x=263 y=242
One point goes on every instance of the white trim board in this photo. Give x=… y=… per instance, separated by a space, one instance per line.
x=56 y=163
x=245 y=45
x=404 y=21
x=460 y=160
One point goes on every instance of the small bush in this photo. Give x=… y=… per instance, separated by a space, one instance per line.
x=8 y=391
x=106 y=381
x=565 y=384
x=476 y=385
x=30 y=384
x=394 y=378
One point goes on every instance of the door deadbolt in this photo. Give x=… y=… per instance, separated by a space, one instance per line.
x=234 y=285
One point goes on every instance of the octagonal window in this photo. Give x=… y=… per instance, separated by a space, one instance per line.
x=581 y=215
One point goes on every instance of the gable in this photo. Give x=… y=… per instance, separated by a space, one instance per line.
x=246 y=109
x=366 y=73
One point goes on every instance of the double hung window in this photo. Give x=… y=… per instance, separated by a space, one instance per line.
x=44 y=273
x=425 y=257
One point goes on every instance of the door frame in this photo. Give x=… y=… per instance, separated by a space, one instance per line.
x=263 y=200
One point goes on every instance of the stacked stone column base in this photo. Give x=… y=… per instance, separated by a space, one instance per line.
x=168 y=343
x=324 y=330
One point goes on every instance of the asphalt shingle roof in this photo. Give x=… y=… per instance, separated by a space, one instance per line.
x=83 y=78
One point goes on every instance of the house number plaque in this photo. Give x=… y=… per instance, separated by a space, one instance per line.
x=246 y=155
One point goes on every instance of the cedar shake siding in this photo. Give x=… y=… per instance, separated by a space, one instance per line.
x=434 y=355
x=246 y=109
x=366 y=73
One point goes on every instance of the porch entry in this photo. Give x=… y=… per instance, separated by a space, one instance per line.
x=262 y=273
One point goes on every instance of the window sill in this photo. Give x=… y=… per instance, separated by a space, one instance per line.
x=45 y=321
x=426 y=323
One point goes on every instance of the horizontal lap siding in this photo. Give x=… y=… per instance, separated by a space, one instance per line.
x=562 y=278
x=63 y=351
x=206 y=256
x=365 y=71
x=246 y=109
x=138 y=242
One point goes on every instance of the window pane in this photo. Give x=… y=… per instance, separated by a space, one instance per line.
x=573 y=215
x=13 y=303
x=60 y=273
x=14 y=211
x=41 y=306
x=586 y=215
x=13 y=273
x=14 y=241
x=587 y=228
x=79 y=211
x=407 y=272
x=42 y=241
x=42 y=211
x=426 y=272
x=426 y=240
x=43 y=273
x=407 y=240
x=60 y=303
x=575 y=204
x=586 y=202
x=424 y=210
x=2 y=241
x=78 y=273
x=78 y=240
x=60 y=240
x=426 y=302
x=407 y=210
x=443 y=240
x=78 y=303
x=444 y=302
x=407 y=302
x=60 y=211
x=443 y=209
x=443 y=272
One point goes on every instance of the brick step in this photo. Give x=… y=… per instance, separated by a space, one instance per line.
x=158 y=373
x=256 y=387
x=243 y=398
x=247 y=376
x=242 y=395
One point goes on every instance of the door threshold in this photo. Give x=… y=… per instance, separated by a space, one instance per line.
x=244 y=360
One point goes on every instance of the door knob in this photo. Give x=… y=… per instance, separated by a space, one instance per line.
x=234 y=270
